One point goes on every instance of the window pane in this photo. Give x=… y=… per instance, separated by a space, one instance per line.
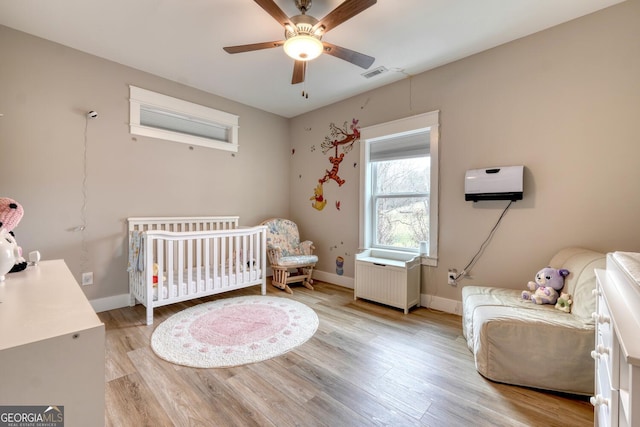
x=401 y=176
x=401 y=221
x=176 y=123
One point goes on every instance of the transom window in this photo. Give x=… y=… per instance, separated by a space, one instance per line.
x=160 y=116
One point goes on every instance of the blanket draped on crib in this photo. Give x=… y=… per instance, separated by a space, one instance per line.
x=136 y=252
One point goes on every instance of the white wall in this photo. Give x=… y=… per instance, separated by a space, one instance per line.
x=46 y=90
x=564 y=102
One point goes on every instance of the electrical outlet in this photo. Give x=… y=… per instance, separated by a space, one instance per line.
x=451 y=276
x=87 y=278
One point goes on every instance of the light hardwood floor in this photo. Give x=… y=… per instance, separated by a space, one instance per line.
x=367 y=365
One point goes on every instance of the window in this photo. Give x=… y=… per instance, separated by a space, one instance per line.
x=399 y=195
x=160 y=116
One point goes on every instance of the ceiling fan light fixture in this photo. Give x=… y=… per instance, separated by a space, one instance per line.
x=303 y=47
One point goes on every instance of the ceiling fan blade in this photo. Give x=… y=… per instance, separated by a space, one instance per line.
x=356 y=58
x=299 y=68
x=347 y=10
x=253 y=46
x=272 y=9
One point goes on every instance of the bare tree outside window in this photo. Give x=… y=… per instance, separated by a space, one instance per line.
x=401 y=199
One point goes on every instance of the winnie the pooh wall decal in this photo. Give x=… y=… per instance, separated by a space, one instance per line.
x=318 y=198
x=343 y=137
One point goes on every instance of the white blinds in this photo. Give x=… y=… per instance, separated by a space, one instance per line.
x=400 y=146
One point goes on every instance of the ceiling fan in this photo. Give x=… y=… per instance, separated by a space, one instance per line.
x=303 y=35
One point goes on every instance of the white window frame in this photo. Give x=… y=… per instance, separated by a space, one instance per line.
x=427 y=121
x=142 y=98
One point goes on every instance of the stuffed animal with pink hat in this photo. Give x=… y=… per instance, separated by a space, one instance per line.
x=10 y=215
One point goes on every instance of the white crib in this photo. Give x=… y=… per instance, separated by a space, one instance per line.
x=194 y=257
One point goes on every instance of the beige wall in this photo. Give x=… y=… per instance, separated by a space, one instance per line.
x=46 y=90
x=564 y=102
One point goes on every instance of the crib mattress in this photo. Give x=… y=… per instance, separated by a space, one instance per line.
x=181 y=285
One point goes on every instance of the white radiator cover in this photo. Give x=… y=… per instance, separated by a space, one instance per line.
x=393 y=280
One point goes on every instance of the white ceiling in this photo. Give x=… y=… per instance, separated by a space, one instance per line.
x=182 y=40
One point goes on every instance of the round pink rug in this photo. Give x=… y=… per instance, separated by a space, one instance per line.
x=234 y=331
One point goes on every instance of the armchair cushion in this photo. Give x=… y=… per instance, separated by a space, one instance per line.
x=297 y=260
x=517 y=342
x=282 y=234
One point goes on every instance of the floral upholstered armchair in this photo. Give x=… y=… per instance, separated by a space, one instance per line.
x=292 y=261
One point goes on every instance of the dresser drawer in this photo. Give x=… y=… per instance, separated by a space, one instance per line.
x=605 y=401
x=603 y=362
x=606 y=355
x=603 y=322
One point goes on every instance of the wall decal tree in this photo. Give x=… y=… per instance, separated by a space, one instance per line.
x=344 y=137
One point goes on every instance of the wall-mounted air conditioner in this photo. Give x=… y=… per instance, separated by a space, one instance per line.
x=497 y=183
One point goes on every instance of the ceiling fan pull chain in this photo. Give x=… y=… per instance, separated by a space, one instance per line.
x=305 y=94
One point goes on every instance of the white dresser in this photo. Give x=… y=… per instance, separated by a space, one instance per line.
x=51 y=345
x=617 y=352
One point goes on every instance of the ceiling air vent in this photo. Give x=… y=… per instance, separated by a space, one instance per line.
x=375 y=72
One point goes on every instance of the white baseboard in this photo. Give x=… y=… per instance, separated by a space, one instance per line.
x=429 y=301
x=333 y=278
x=441 y=304
x=122 y=300
x=110 y=303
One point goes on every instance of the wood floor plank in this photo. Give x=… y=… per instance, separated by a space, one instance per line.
x=119 y=341
x=367 y=364
x=281 y=377
x=227 y=403
x=130 y=402
x=369 y=409
x=175 y=394
x=279 y=407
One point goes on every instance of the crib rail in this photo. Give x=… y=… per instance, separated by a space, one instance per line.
x=225 y=261
x=180 y=224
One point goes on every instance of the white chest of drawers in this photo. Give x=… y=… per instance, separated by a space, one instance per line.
x=52 y=345
x=617 y=351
